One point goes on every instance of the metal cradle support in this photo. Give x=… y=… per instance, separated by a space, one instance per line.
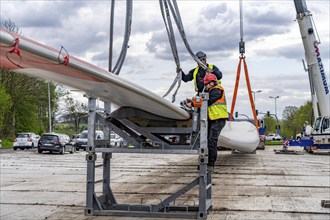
x=105 y=204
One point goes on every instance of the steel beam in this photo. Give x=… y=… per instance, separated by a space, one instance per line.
x=106 y=203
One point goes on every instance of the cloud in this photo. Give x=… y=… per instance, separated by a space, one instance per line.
x=217 y=30
x=292 y=51
x=273 y=43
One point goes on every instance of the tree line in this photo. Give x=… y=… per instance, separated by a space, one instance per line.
x=24 y=103
x=293 y=120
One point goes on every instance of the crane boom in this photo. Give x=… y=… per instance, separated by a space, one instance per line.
x=320 y=133
x=316 y=71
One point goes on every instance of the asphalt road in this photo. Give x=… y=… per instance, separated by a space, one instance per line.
x=254 y=186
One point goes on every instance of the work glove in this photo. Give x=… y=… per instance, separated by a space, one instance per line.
x=189 y=104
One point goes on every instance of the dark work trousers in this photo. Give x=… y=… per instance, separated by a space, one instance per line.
x=214 y=129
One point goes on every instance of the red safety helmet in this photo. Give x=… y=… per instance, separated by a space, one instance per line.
x=209 y=78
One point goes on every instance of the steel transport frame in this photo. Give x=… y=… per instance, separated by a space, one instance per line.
x=157 y=127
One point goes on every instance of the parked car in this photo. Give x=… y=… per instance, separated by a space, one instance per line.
x=70 y=145
x=81 y=141
x=74 y=138
x=117 y=141
x=273 y=137
x=54 y=142
x=25 y=140
x=66 y=137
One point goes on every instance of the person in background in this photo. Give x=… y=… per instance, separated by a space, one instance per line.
x=198 y=73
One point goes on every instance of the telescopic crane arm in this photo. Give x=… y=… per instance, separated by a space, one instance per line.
x=317 y=76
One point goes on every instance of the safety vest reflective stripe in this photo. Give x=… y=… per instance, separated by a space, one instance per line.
x=195 y=76
x=219 y=108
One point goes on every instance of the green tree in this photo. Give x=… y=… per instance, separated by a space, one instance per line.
x=294 y=119
x=290 y=123
x=56 y=93
x=270 y=124
x=5 y=103
x=25 y=93
x=75 y=110
x=305 y=114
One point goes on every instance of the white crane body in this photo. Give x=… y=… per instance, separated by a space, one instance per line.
x=317 y=77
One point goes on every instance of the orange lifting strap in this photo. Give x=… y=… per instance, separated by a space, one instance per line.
x=242 y=58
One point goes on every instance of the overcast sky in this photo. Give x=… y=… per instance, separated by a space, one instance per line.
x=274 y=47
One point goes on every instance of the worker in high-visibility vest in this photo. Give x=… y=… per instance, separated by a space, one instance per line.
x=217 y=115
x=197 y=74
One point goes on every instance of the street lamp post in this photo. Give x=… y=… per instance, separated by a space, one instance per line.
x=275 y=112
x=49 y=110
x=275 y=103
x=254 y=95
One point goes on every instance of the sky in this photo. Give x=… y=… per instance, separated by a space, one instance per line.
x=273 y=44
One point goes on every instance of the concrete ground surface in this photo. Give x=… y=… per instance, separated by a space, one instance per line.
x=245 y=186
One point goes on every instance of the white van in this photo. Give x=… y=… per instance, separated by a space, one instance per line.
x=81 y=141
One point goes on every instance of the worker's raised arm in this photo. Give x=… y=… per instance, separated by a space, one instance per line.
x=217 y=72
x=188 y=77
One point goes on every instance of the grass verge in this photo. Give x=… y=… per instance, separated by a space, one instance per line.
x=7 y=143
x=274 y=142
